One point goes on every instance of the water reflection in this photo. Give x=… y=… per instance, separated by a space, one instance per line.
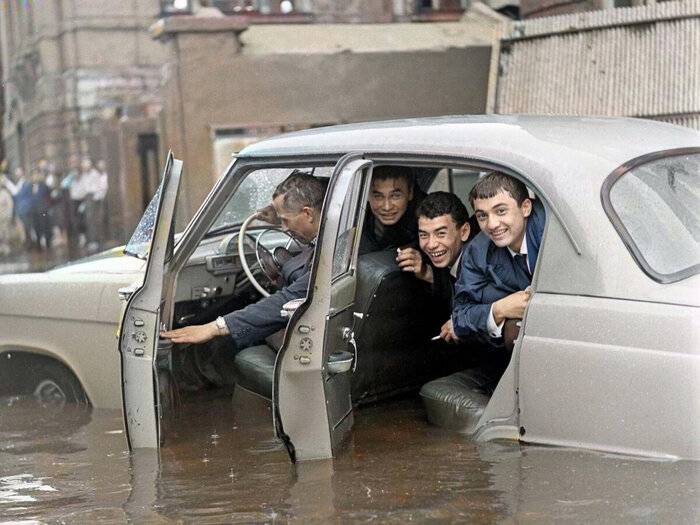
x=223 y=465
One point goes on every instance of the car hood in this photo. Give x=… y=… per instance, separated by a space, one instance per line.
x=85 y=290
x=112 y=261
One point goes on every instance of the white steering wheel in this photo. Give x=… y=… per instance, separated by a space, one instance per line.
x=266 y=260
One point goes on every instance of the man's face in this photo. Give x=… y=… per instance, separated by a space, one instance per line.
x=303 y=223
x=441 y=239
x=502 y=219
x=389 y=199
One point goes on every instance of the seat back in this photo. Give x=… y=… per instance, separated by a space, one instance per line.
x=394 y=347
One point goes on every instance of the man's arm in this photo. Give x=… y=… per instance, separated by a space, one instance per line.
x=255 y=322
x=469 y=313
x=248 y=326
x=411 y=260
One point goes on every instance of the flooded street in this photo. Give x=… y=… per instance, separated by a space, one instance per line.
x=222 y=464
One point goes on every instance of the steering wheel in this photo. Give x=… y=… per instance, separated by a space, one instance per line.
x=269 y=262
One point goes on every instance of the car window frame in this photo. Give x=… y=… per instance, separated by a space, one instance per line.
x=236 y=172
x=619 y=225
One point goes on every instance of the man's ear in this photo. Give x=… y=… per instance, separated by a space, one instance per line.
x=526 y=207
x=309 y=213
x=464 y=231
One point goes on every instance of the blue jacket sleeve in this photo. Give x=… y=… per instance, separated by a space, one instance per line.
x=469 y=311
x=255 y=322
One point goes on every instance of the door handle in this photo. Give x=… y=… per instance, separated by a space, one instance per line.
x=349 y=337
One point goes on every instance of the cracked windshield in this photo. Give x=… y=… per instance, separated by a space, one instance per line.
x=429 y=261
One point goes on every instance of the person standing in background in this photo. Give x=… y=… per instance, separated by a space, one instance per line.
x=96 y=185
x=7 y=212
x=40 y=203
x=55 y=212
x=21 y=191
x=70 y=206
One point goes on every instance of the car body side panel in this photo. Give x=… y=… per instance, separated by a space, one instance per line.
x=76 y=326
x=614 y=375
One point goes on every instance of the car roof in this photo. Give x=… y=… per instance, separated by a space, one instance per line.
x=600 y=141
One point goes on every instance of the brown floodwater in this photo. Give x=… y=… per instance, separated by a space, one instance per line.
x=222 y=464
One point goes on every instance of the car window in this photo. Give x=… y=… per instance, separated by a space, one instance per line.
x=255 y=192
x=347 y=230
x=657 y=205
x=140 y=241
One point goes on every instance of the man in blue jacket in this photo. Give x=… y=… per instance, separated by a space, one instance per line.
x=496 y=267
x=297 y=203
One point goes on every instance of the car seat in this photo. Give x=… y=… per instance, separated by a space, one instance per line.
x=394 y=347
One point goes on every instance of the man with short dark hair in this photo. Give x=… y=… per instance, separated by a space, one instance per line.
x=496 y=268
x=390 y=222
x=443 y=230
x=296 y=203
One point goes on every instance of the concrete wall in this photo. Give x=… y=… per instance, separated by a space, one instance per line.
x=230 y=89
x=639 y=62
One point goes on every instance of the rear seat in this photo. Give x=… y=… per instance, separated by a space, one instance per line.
x=395 y=353
x=457 y=401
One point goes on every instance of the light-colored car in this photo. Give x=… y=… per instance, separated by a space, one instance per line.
x=608 y=355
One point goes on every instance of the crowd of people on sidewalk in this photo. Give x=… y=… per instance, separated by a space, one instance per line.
x=49 y=209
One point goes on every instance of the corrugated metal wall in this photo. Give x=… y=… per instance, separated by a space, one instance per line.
x=639 y=61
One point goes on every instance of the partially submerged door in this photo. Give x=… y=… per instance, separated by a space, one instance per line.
x=138 y=341
x=311 y=395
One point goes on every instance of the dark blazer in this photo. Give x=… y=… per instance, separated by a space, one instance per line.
x=489 y=273
x=255 y=322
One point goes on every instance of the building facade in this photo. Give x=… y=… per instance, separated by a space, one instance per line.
x=637 y=62
x=76 y=72
x=266 y=79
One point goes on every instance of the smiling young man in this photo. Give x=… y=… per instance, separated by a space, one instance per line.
x=496 y=268
x=443 y=229
x=391 y=221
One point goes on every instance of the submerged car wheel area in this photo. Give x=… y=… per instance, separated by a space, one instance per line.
x=49 y=381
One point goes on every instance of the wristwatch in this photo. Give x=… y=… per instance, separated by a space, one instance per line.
x=221 y=326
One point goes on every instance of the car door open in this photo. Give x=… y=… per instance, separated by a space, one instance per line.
x=312 y=404
x=138 y=341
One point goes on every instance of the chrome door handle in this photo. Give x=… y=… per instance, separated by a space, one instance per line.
x=349 y=337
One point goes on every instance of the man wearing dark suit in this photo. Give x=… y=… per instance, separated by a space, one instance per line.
x=492 y=290
x=390 y=221
x=297 y=203
x=443 y=230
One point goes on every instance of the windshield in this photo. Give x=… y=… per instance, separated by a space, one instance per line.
x=140 y=242
x=255 y=192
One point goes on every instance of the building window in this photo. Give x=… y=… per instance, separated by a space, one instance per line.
x=256 y=7
x=427 y=6
x=175 y=7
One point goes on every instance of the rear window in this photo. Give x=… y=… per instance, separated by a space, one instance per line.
x=654 y=203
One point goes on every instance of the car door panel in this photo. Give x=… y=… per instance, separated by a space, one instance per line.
x=140 y=326
x=590 y=379
x=313 y=409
